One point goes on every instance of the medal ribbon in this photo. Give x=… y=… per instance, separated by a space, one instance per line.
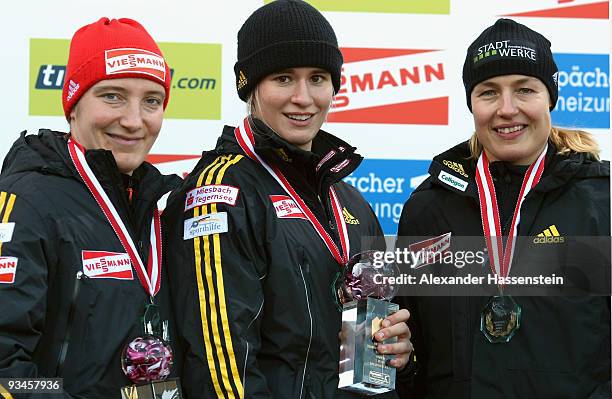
x=150 y=278
x=245 y=138
x=500 y=257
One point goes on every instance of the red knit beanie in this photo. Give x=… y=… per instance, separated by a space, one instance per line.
x=112 y=49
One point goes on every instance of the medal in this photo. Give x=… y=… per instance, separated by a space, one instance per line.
x=501 y=317
x=148 y=357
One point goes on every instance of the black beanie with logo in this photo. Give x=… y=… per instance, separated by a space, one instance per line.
x=285 y=34
x=510 y=48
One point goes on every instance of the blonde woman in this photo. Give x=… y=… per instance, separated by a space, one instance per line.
x=261 y=227
x=518 y=176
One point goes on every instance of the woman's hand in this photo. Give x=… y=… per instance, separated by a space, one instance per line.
x=395 y=326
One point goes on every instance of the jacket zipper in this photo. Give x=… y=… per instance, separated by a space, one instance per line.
x=310 y=337
x=66 y=342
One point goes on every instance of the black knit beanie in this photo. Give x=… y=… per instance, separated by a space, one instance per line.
x=285 y=34
x=508 y=48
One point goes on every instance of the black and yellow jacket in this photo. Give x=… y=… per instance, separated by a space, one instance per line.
x=562 y=348
x=54 y=321
x=254 y=297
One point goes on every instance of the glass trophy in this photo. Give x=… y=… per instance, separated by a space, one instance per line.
x=147 y=362
x=364 y=297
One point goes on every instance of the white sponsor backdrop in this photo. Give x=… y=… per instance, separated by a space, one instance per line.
x=218 y=22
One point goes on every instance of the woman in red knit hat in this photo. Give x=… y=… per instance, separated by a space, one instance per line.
x=80 y=263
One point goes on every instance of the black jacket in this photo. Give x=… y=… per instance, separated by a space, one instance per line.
x=255 y=303
x=51 y=322
x=562 y=349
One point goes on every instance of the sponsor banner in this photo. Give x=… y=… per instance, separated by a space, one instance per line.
x=286 y=208
x=584 y=91
x=398 y=86
x=47 y=71
x=211 y=223
x=8 y=268
x=104 y=264
x=386 y=184
x=591 y=9
x=211 y=194
x=6 y=231
x=195 y=70
x=385 y=6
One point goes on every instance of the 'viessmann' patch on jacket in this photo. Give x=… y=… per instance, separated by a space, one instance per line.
x=103 y=264
x=286 y=208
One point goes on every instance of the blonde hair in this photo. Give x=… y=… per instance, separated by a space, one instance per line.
x=250 y=103
x=566 y=141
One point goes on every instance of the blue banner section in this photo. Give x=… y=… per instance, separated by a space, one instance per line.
x=386 y=184
x=584 y=91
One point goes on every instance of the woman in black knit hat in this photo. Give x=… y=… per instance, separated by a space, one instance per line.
x=536 y=198
x=260 y=229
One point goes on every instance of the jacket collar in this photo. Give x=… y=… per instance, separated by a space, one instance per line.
x=330 y=160
x=558 y=169
x=454 y=170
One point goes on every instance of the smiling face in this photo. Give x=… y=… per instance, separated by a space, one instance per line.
x=120 y=115
x=512 y=117
x=294 y=103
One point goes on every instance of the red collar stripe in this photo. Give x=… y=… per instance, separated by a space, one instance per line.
x=246 y=140
x=489 y=212
x=150 y=279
